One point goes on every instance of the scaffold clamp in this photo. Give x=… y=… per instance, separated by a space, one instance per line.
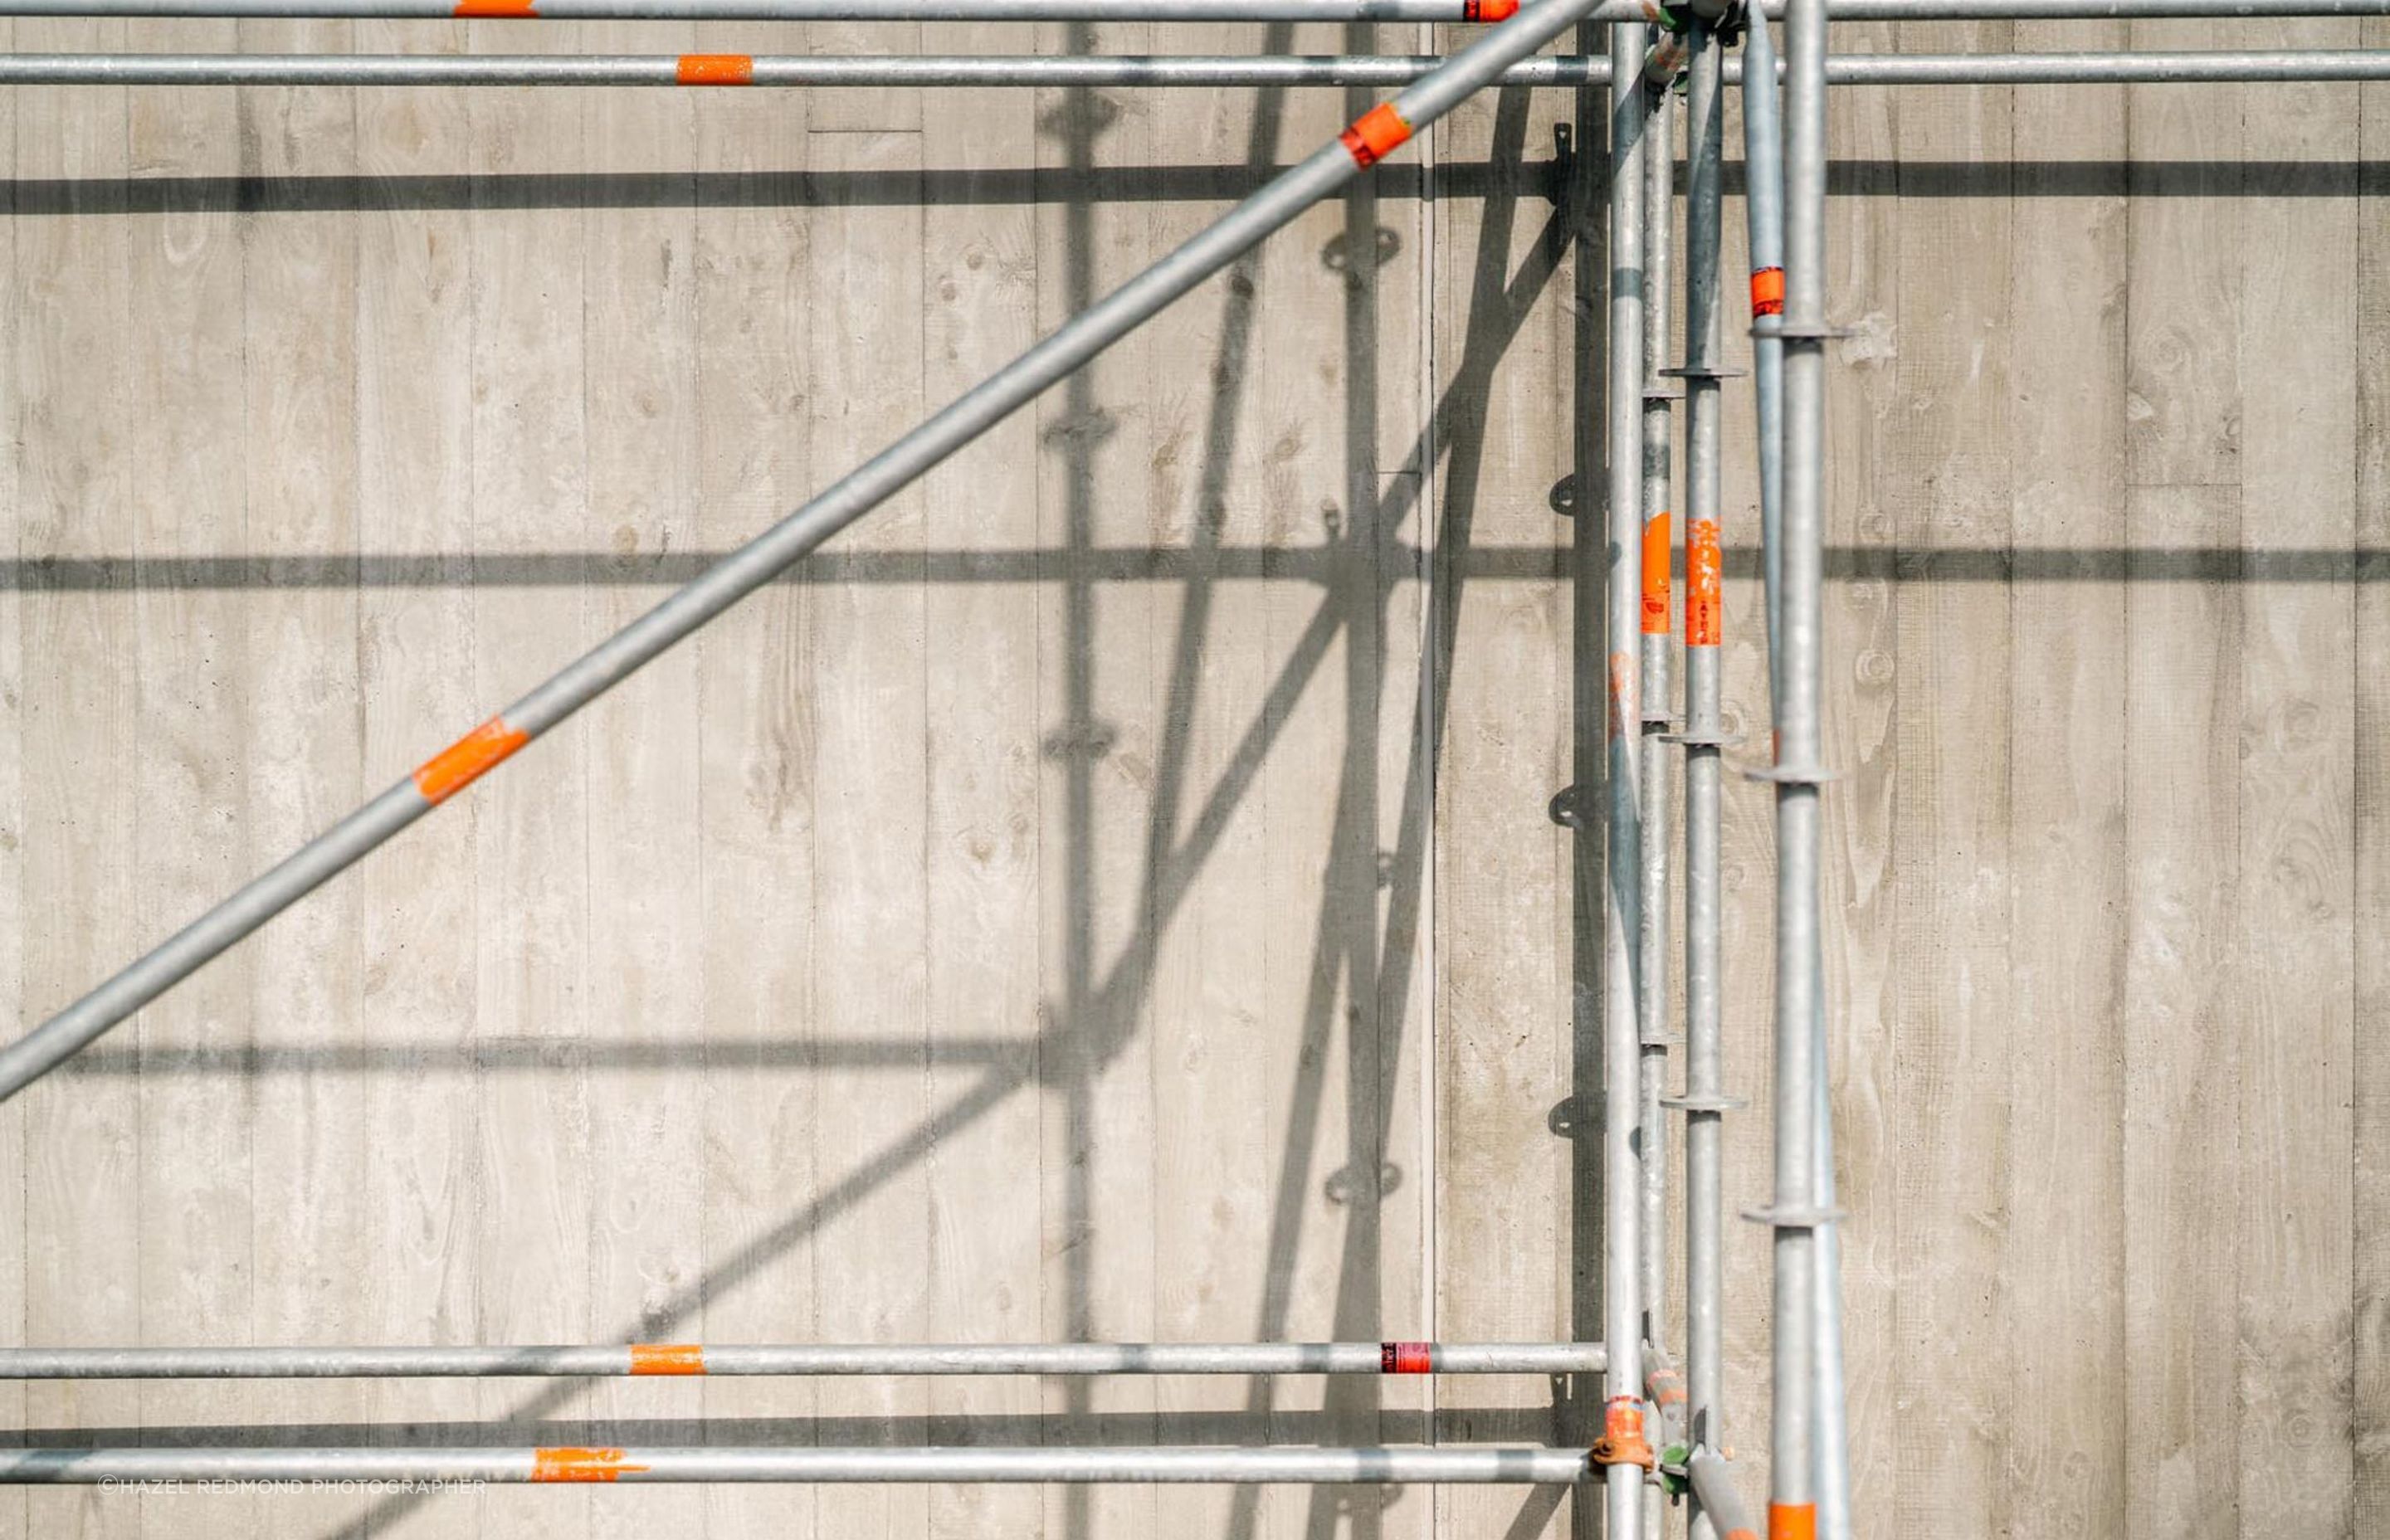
x=1622 y=1441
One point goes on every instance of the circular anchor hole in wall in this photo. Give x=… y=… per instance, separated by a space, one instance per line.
x=1382 y=246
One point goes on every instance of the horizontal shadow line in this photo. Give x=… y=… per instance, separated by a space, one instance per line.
x=538 y=1054
x=1547 y=179
x=1340 y=563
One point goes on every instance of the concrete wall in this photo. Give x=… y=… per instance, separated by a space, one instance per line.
x=1110 y=893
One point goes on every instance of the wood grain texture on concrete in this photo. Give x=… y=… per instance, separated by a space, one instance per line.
x=1110 y=893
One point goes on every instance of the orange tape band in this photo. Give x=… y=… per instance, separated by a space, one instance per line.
x=1379 y=133
x=667 y=1358
x=1668 y=1388
x=1406 y=1358
x=462 y=762
x=1767 y=292
x=1655 y=575
x=716 y=70
x=1705 y=585
x=1488 y=10
x=580 y=1464
x=1792 y=1522
x=496 y=8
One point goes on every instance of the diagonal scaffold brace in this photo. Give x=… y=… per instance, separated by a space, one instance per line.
x=1377 y=134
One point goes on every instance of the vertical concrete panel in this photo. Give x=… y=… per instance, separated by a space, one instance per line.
x=647 y=1009
x=2066 y=840
x=414 y=428
x=309 y=1136
x=2183 y=995
x=981 y=674
x=764 y=1197
x=2298 y=766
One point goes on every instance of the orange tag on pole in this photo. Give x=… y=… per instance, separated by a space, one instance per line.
x=580 y=1464
x=1792 y=1522
x=1379 y=133
x=1488 y=10
x=1655 y=575
x=466 y=760
x=495 y=8
x=716 y=70
x=1767 y=292
x=1704 y=585
x=667 y=1358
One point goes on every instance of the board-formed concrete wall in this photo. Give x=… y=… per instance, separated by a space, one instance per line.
x=1111 y=894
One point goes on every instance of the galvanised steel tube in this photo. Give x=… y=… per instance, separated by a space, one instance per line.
x=1622 y=1140
x=1654 y=617
x=1142 y=10
x=1764 y=149
x=1377 y=134
x=1716 y=1496
x=1763 y=155
x=1795 y=1212
x=1508 y=1466
x=690 y=1358
x=1156 y=71
x=798 y=10
x=2108 y=68
x=1703 y=741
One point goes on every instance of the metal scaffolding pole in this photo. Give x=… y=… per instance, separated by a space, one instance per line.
x=1763 y=154
x=1651 y=882
x=1622 y=1443
x=1714 y=1496
x=1510 y=1466
x=1703 y=1102
x=1148 y=10
x=692 y=1358
x=1377 y=134
x=1155 y=72
x=1796 y=1212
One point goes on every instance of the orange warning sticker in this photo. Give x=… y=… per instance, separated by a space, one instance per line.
x=1767 y=292
x=1655 y=575
x=464 y=761
x=667 y=1358
x=1792 y=1522
x=716 y=70
x=1704 y=585
x=1488 y=10
x=1622 y=692
x=1379 y=133
x=580 y=1464
x=496 y=8
x=1406 y=1358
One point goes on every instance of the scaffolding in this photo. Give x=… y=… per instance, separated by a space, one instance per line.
x=1661 y=1430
